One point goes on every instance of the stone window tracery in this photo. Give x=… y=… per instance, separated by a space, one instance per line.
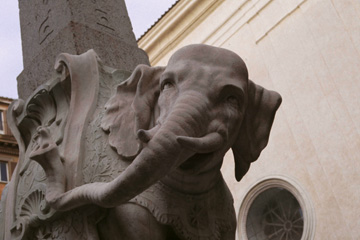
x=274 y=209
x=275 y=215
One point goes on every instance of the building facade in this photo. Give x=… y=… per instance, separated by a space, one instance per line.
x=8 y=146
x=305 y=185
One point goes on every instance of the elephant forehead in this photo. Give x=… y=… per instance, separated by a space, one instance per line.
x=195 y=72
x=200 y=54
x=206 y=54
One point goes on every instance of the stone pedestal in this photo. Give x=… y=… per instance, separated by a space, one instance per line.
x=49 y=28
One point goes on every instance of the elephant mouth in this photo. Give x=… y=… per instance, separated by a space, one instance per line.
x=195 y=164
x=204 y=148
x=206 y=144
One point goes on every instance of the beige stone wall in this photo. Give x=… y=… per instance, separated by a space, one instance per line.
x=308 y=51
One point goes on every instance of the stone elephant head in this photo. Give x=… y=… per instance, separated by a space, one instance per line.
x=176 y=123
x=192 y=111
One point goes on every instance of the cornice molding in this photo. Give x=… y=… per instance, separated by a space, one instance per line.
x=185 y=16
x=8 y=139
x=13 y=150
x=174 y=25
x=5 y=100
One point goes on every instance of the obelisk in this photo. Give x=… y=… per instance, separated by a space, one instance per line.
x=50 y=27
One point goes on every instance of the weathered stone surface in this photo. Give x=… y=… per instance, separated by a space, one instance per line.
x=64 y=109
x=51 y=27
x=149 y=149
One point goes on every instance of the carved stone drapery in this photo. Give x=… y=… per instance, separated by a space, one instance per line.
x=69 y=106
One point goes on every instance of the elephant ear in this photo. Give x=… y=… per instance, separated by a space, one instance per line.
x=131 y=108
x=255 y=127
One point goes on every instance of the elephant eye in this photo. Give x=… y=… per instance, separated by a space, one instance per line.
x=166 y=85
x=233 y=100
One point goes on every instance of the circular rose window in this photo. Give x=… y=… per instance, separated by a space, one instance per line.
x=275 y=209
x=275 y=215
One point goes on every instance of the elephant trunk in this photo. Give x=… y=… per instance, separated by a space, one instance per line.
x=163 y=153
x=169 y=147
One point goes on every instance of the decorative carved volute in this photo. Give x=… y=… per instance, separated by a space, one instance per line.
x=63 y=108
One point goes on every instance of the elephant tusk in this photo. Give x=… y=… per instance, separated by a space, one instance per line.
x=143 y=135
x=209 y=143
x=146 y=135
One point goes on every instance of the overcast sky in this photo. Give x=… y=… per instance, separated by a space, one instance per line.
x=143 y=14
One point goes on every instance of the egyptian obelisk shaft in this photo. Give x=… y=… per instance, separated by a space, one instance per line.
x=49 y=28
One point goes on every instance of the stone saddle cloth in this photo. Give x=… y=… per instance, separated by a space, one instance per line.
x=201 y=217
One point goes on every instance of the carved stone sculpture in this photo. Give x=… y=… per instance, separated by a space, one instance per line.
x=143 y=163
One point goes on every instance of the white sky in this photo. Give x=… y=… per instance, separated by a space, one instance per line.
x=143 y=14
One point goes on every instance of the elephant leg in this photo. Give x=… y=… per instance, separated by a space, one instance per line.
x=131 y=222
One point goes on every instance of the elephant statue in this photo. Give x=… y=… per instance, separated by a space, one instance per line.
x=174 y=124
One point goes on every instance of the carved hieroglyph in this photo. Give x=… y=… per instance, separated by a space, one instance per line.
x=51 y=27
x=149 y=149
